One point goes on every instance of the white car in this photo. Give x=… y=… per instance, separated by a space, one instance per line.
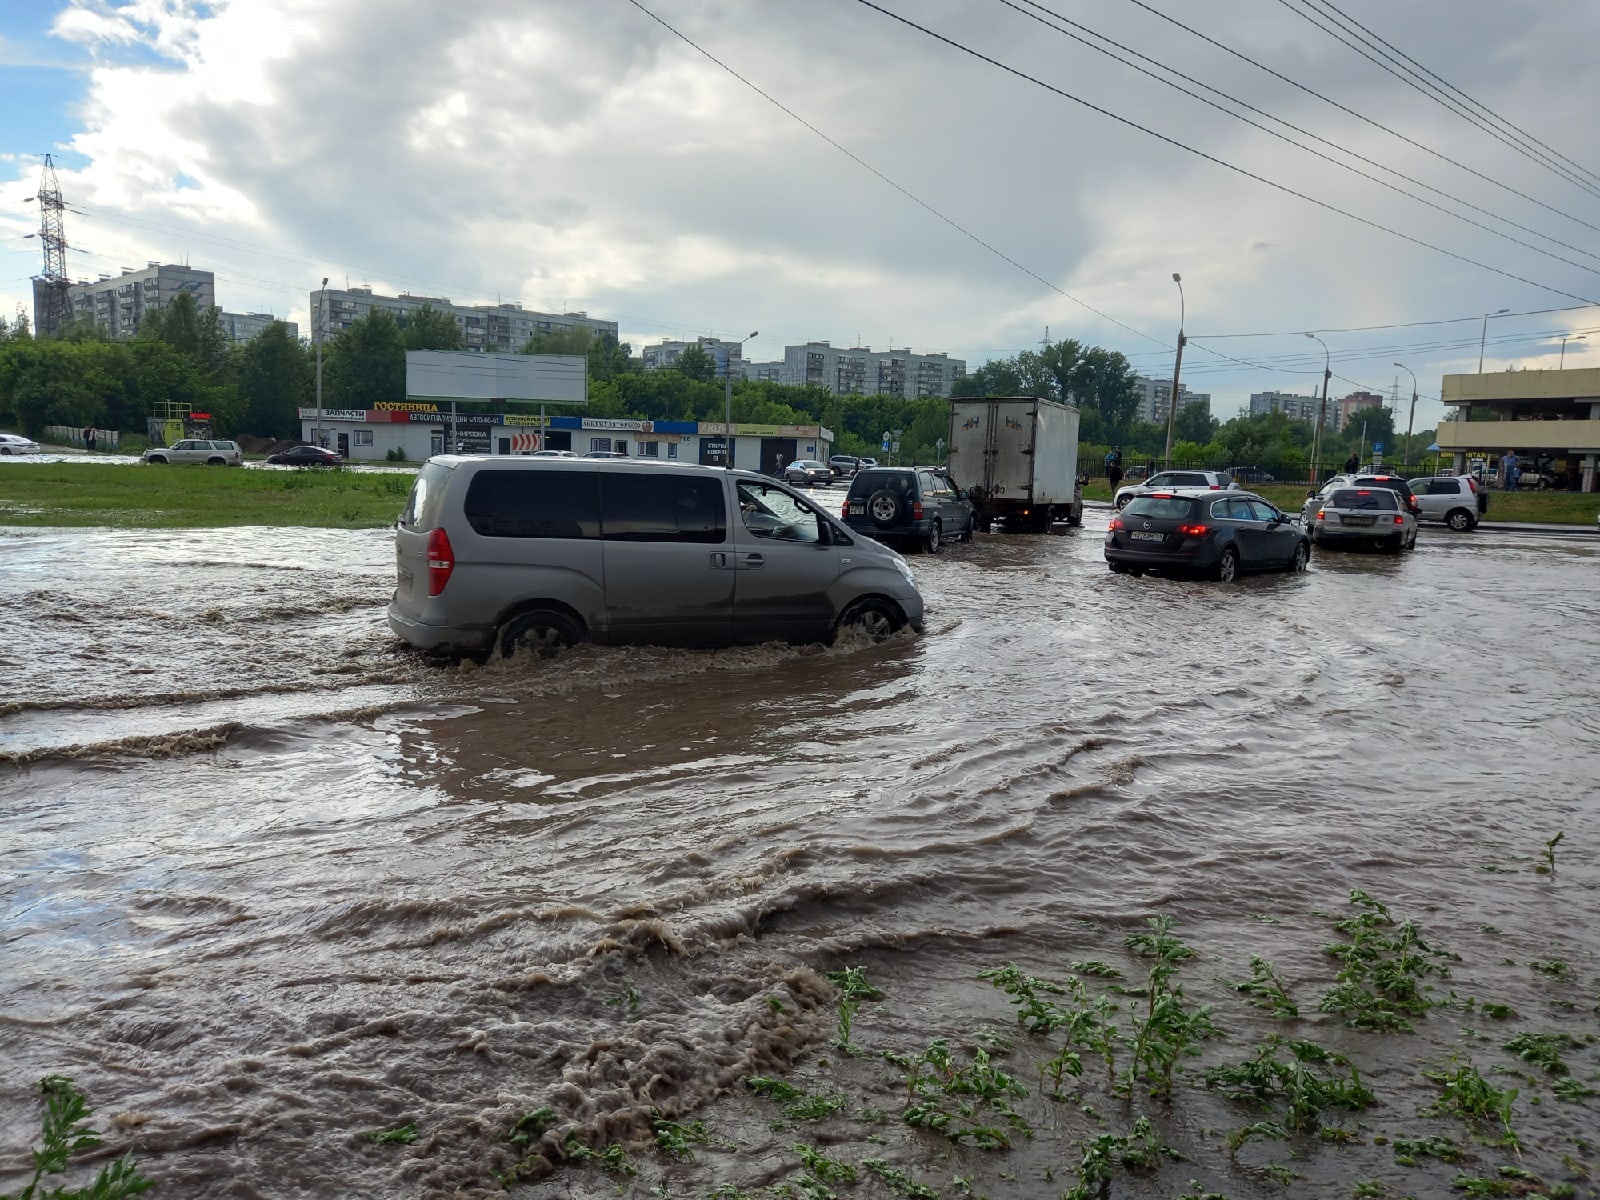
x=15 y=443
x=1166 y=481
x=1457 y=500
x=554 y=454
x=216 y=452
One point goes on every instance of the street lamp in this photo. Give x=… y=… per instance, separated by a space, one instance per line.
x=1177 y=368
x=1412 y=419
x=322 y=308
x=1564 y=341
x=1484 y=336
x=727 y=399
x=1322 y=412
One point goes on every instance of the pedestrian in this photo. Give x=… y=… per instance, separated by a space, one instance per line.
x=1509 y=471
x=1352 y=465
x=88 y=439
x=1114 y=467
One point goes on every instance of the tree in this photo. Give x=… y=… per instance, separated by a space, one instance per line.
x=1194 y=423
x=430 y=328
x=366 y=364
x=607 y=357
x=195 y=334
x=695 y=363
x=275 y=377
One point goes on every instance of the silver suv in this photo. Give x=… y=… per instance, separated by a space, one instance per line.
x=1457 y=500
x=196 y=450
x=497 y=553
x=1166 y=481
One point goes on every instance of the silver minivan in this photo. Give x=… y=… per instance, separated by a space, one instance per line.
x=497 y=553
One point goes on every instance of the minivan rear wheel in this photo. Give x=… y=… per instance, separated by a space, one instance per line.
x=878 y=619
x=543 y=632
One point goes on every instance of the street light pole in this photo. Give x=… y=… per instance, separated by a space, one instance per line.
x=322 y=306
x=727 y=399
x=1322 y=412
x=1484 y=336
x=1564 y=342
x=1412 y=419
x=1177 y=368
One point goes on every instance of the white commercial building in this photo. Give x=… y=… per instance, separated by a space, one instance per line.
x=498 y=328
x=117 y=304
x=1155 y=398
x=862 y=371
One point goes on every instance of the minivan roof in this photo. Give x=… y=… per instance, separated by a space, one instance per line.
x=530 y=463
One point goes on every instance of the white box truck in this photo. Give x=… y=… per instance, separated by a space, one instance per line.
x=1017 y=457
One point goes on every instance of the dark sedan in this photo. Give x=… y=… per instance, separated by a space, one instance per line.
x=305 y=456
x=1204 y=532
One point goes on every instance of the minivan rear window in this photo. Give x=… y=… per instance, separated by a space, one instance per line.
x=534 y=503
x=645 y=506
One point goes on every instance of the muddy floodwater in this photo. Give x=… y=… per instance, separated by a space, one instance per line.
x=271 y=884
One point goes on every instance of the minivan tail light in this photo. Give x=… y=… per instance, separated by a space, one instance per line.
x=441 y=561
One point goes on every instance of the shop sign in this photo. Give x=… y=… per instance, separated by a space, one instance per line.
x=333 y=414
x=410 y=406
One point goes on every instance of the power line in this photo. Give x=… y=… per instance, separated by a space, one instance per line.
x=1484 y=108
x=1167 y=74
x=1426 y=149
x=917 y=200
x=1171 y=141
x=1433 y=93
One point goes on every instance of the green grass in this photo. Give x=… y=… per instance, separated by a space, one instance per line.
x=196 y=497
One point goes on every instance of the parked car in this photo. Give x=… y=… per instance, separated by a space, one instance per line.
x=211 y=451
x=917 y=506
x=1249 y=476
x=499 y=554
x=1457 y=500
x=807 y=471
x=1166 y=481
x=605 y=454
x=305 y=456
x=867 y=462
x=844 y=465
x=1198 y=531
x=15 y=443
x=1391 y=483
x=554 y=454
x=1371 y=516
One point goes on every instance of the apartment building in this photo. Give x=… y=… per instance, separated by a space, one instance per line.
x=1297 y=407
x=241 y=327
x=862 y=371
x=118 y=303
x=725 y=355
x=1349 y=406
x=497 y=328
x=1155 y=399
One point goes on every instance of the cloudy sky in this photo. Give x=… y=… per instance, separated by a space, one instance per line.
x=819 y=169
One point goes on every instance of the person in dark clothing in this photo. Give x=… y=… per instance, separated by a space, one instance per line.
x=1352 y=465
x=1114 y=467
x=88 y=438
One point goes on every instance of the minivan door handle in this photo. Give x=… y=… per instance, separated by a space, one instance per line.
x=752 y=561
x=719 y=561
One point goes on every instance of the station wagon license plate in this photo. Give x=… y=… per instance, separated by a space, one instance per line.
x=1142 y=535
x=1356 y=520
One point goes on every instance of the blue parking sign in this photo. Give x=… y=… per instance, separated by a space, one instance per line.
x=1377 y=447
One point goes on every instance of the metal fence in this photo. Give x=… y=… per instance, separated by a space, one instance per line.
x=66 y=435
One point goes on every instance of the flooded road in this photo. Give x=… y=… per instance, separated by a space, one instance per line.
x=271 y=883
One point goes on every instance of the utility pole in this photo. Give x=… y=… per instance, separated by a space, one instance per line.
x=1177 y=370
x=52 y=306
x=727 y=397
x=1484 y=336
x=1322 y=412
x=322 y=307
x=1412 y=419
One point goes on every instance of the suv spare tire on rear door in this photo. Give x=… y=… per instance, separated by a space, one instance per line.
x=885 y=506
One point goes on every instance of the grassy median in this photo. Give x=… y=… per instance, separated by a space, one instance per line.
x=195 y=497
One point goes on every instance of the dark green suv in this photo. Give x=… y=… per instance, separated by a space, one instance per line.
x=920 y=506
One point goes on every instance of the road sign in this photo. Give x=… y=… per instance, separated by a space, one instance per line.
x=1377 y=447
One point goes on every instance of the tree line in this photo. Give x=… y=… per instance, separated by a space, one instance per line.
x=182 y=354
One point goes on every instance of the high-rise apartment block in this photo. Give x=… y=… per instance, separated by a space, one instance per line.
x=241 y=327
x=862 y=371
x=498 y=328
x=117 y=304
x=1349 y=406
x=725 y=356
x=1300 y=408
x=1155 y=397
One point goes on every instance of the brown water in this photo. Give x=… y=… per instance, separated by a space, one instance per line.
x=270 y=882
